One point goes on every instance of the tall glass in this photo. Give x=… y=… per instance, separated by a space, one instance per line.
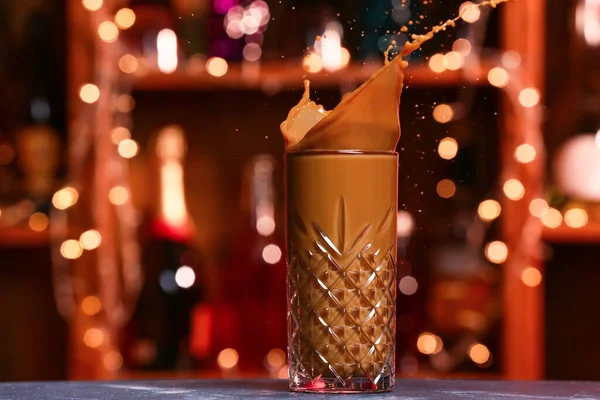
x=341 y=254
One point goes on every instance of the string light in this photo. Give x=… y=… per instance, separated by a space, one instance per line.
x=118 y=195
x=71 y=249
x=92 y=5
x=108 y=31
x=65 y=198
x=216 y=66
x=119 y=134
x=496 y=252
x=552 y=219
x=408 y=285
x=228 y=358
x=489 y=210
x=271 y=254
x=128 y=148
x=531 y=277
x=538 y=208
x=128 y=63
x=525 y=153
x=469 y=12
x=479 y=353
x=462 y=46
x=438 y=63
x=38 y=222
x=576 y=218
x=446 y=188
x=448 y=148
x=93 y=337
x=529 y=97
x=514 y=189
x=454 y=60
x=498 y=77
x=428 y=343
x=90 y=240
x=89 y=93
x=91 y=305
x=125 y=18
x=443 y=113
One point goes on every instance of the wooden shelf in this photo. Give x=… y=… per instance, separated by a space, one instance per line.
x=589 y=234
x=22 y=237
x=280 y=76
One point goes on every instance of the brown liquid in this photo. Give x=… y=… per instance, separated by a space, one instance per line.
x=341 y=231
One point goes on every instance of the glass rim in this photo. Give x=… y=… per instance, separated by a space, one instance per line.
x=340 y=152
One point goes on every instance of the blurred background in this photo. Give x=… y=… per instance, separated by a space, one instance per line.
x=141 y=185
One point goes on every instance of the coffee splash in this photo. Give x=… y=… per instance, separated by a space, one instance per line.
x=366 y=119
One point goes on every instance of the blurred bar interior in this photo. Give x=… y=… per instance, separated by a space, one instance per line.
x=141 y=194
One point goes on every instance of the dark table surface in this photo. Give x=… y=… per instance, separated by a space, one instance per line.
x=277 y=389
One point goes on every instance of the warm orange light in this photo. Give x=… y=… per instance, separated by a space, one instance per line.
x=128 y=63
x=92 y=5
x=119 y=134
x=446 y=188
x=166 y=46
x=283 y=372
x=112 y=360
x=91 y=305
x=479 y=353
x=531 y=277
x=462 y=46
x=271 y=254
x=89 y=93
x=89 y=240
x=38 y=222
x=538 y=208
x=265 y=225
x=489 y=210
x=65 y=198
x=525 y=153
x=454 y=60
x=276 y=358
x=125 y=103
x=469 y=12
x=405 y=224
x=408 y=285
x=438 y=63
x=217 y=66
x=125 y=18
x=108 y=31
x=576 y=218
x=529 y=97
x=514 y=189
x=312 y=63
x=511 y=59
x=118 y=195
x=552 y=219
x=128 y=148
x=448 y=148
x=496 y=252
x=498 y=77
x=71 y=249
x=443 y=113
x=228 y=358
x=428 y=343
x=93 y=337
x=345 y=57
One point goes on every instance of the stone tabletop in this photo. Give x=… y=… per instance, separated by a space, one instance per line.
x=277 y=389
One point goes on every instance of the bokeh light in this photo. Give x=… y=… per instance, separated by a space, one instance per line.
x=91 y=305
x=511 y=59
x=118 y=195
x=462 y=46
x=531 y=276
x=125 y=103
x=271 y=254
x=438 y=63
x=71 y=249
x=91 y=239
x=405 y=224
x=443 y=113
x=498 y=77
x=252 y=52
x=128 y=63
x=529 y=97
x=454 y=60
x=428 y=343
x=312 y=63
x=93 y=337
x=228 y=358
x=552 y=219
x=125 y=18
x=538 y=208
x=496 y=252
x=92 y=5
x=89 y=93
x=469 y=12
x=65 y=198
x=38 y=222
x=265 y=225
x=128 y=148
x=275 y=358
x=448 y=148
x=119 y=134
x=514 y=189
x=112 y=360
x=166 y=46
x=489 y=210
x=525 y=153
x=408 y=285
x=185 y=277
x=576 y=218
x=479 y=353
x=446 y=188
x=108 y=31
x=217 y=66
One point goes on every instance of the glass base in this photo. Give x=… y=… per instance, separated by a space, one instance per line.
x=352 y=385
